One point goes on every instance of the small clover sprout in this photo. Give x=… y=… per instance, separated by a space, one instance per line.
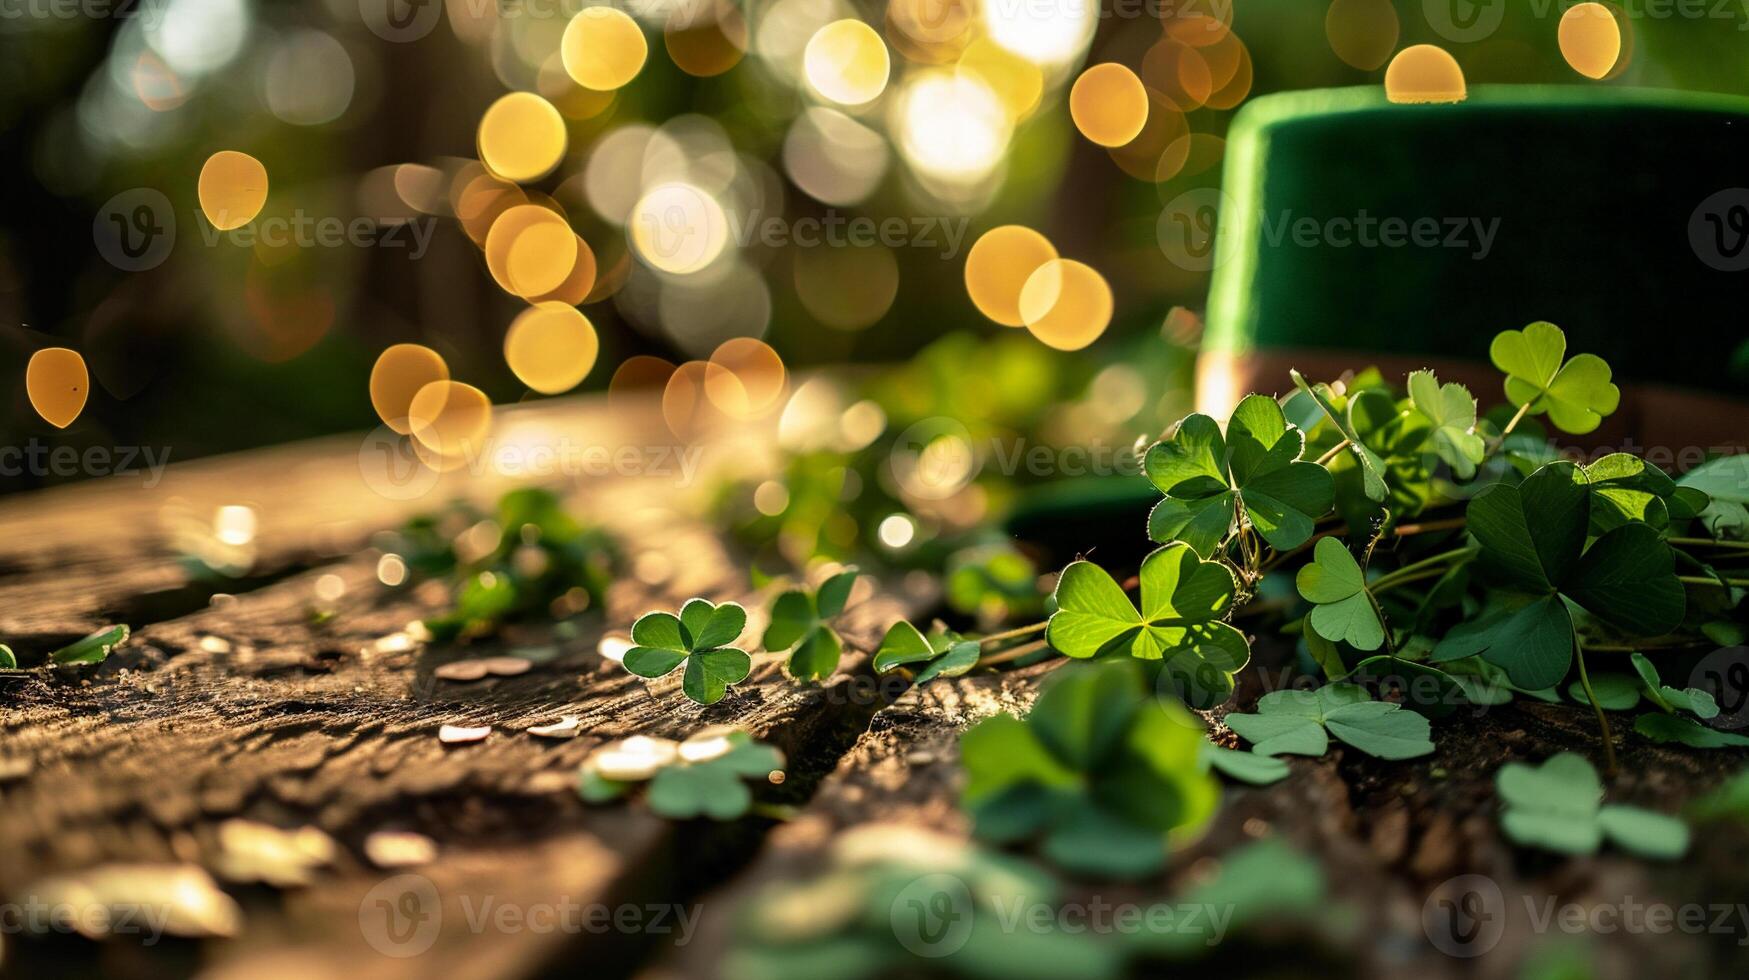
x=799 y=624
x=942 y=652
x=1576 y=393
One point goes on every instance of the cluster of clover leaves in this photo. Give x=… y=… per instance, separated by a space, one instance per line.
x=1411 y=541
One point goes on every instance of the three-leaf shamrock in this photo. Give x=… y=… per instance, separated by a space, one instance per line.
x=944 y=652
x=1104 y=773
x=700 y=638
x=1343 y=611
x=1452 y=413
x=1559 y=806
x=702 y=776
x=1295 y=722
x=1255 y=469
x=1576 y=394
x=1533 y=537
x=799 y=619
x=1183 y=600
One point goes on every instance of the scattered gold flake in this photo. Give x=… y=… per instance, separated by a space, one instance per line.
x=185 y=895
x=251 y=851
x=569 y=726
x=460 y=734
x=399 y=849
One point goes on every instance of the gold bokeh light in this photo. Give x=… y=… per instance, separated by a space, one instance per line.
x=450 y=418
x=846 y=62
x=1108 y=104
x=1591 y=39
x=551 y=348
x=531 y=250
x=1424 y=73
x=997 y=269
x=603 y=48
x=232 y=189
x=522 y=137
x=399 y=374
x=58 y=384
x=1066 y=304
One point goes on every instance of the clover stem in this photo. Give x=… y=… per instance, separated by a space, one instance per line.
x=1709 y=543
x=775 y=811
x=1708 y=580
x=1013 y=633
x=1443 y=558
x=1523 y=410
x=1390 y=644
x=1012 y=653
x=1397 y=582
x=1602 y=722
x=1425 y=527
x=1327 y=457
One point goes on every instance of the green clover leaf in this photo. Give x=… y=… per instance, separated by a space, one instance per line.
x=1725 y=481
x=1558 y=806
x=1295 y=722
x=1686 y=731
x=93 y=649
x=699 y=637
x=799 y=624
x=1626 y=489
x=1533 y=536
x=945 y=653
x=1693 y=700
x=1451 y=411
x=1576 y=394
x=1344 y=611
x=1104 y=775
x=1183 y=600
x=1256 y=468
x=1246 y=767
x=713 y=787
x=8 y=660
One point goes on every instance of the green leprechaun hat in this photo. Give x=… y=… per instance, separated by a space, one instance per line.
x=1355 y=231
